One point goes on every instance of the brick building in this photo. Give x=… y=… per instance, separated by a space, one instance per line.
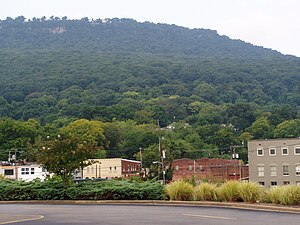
x=210 y=169
x=110 y=168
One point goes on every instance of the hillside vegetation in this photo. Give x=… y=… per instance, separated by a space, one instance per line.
x=136 y=77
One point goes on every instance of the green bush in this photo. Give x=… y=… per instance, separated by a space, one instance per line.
x=180 y=191
x=229 y=191
x=250 y=192
x=104 y=190
x=205 y=192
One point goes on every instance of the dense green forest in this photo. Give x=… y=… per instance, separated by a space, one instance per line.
x=136 y=79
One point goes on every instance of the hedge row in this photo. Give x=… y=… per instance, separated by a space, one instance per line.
x=89 y=190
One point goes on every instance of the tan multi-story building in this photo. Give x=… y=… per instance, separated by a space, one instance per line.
x=111 y=168
x=275 y=161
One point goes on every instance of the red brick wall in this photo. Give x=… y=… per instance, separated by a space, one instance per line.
x=211 y=169
x=130 y=168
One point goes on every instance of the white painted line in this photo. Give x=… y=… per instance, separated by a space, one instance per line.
x=211 y=217
x=22 y=220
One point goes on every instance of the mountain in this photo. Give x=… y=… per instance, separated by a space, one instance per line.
x=123 y=69
x=122 y=35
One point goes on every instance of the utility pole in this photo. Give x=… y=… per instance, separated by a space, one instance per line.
x=96 y=171
x=16 y=166
x=141 y=158
x=162 y=157
x=236 y=156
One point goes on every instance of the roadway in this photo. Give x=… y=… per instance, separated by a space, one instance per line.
x=47 y=214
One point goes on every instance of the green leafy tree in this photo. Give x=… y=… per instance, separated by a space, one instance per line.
x=64 y=154
x=91 y=131
x=16 y=134
x=261 y=128
x=288 y=129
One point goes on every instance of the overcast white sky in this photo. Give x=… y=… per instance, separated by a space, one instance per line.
x=270 y=23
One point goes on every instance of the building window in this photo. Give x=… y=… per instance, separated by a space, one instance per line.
x=115 y=169
x=285 y=170
x=261 y=170
x=110 y=169
x=298 y=170
x=273 y=170
x=285 y=151
x=298 y=183
x=9 y=172
x=190 y=167
x=272 y=151
x=201 y=169
x=32 y=171
x=297 y=151
x=177 y=168
x=260 y=152
x=262 y=183
x=24 y=171
x=286 y=182
x=273 y=183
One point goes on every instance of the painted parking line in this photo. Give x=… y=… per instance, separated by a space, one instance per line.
x=210 y=217
x=47 y=208
x=19 y=218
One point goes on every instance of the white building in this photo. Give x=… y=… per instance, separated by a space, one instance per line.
x=31 y=172
x=26 y=172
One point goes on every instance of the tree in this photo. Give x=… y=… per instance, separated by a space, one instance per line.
x=65 y=154
x=89 y=131
x=260 y=128
x=15 y=134
x=288 y=129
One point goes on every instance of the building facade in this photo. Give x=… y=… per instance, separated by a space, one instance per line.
x=110 y=168
x=210 y=169
x=275 y=161
x=25 y=172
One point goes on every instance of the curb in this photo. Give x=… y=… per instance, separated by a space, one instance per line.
x=232 y=205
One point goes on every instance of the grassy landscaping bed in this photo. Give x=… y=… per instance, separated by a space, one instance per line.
x=233 y=191
x=121 y=189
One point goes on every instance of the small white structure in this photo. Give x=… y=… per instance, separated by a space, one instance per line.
x=31 y=172
x=25 y=172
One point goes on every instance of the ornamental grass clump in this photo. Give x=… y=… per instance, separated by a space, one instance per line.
x=273 y=195
x=290 y=195
x=205 y=192
x=250 y=192
x=179 y=191
x=229 y=192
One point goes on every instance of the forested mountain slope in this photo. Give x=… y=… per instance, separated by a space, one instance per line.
x=59 y=70
x=122 y=35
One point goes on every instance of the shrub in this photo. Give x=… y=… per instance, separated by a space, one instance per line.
x=290 y=195
x=180 y=191
x=284 y=195
x=54 y=189
x=273 y=195
x=205 y=192
x=250 y=192
x=229 y=191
